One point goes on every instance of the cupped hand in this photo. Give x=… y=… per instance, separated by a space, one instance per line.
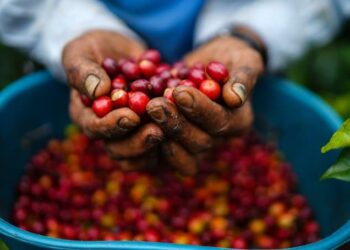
x=195 y=123
x=125 y=140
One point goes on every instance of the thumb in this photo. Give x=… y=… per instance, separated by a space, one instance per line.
x=240 y=85
x=82 y=59
x=84 y=73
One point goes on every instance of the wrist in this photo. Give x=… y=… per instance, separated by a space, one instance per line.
x=249 y=37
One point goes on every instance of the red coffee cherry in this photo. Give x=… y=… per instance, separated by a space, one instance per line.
x=120 y=98
x=158 y=85
x=189 y=83
x=140 y=85
x=119 y=82
x=110 y=66
x=85 y=100
x=217 y=71
x=148 y=68
x=102 y=106
x=152 y=55
x=211 y=89
x=138 y=102
x=196 y=75
x=131 y=70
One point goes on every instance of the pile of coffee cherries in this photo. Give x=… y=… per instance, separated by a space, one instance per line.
x=133 y=83
x=244 y=196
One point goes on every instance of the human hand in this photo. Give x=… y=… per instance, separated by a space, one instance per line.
x=82 y=59
x=196 y=122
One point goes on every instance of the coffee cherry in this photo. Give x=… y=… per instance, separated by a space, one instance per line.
x=152 y=55
x=131 y=70
x=93 y=233
x=183 y=72
x=141 y=85
x=108 y=220
x=305 y=213
x=180 y=70
x=119 y=82
x=122 y=61
x=197 y=225
x=286 y=220
x=173 y=83
x=158 y=85
x=110 y=66
x=151 y=235
x=138 y=102
x=168 y=94
x=45 y=182
x=196 y=75
x=257 y=226
x=264 y=241
x=311 y=227
x=276 y=209
x=299 y=201
x=102 y=106
x=148 y=68
x=178 y=64
x=69 y=232
x=165 y=75
x=38 y=227
x=211 y=89
x=162 y=67
x=99 y=198
x=200 y=66
x=120 y=98
x=239 y=243
x=85 y=100
x=217 y=71
x=52 y=225
x=188 y=83
x=20 y=215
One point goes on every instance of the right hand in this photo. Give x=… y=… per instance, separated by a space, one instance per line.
x=82 y=59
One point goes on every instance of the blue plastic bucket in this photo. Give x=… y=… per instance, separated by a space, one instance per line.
x=34 y=109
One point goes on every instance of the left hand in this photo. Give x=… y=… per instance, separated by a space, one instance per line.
x=195 y=123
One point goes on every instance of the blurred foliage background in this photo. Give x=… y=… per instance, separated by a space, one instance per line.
x=324 y=70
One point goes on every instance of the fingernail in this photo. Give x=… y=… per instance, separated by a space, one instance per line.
x=184 y=99
x=240 y=90
x=153 y=140
x=158 y=114
x=126 y=123
x=91 y=84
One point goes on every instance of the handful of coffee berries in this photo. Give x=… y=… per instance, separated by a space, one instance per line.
x=134 y=82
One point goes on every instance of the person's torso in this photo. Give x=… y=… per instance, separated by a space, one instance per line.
x=165 y=25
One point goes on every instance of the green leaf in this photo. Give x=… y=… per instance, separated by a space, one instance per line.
x=339 y=170
x=3 y=245
x=340 y=138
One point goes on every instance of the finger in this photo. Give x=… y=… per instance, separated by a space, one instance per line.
x=82 y=59
x=84 y=72
x=239 y=86
x=245 y=68
x=179 y=158
x=144 y=139
x=176 y=126
x=115 y=124
x=209 y=115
